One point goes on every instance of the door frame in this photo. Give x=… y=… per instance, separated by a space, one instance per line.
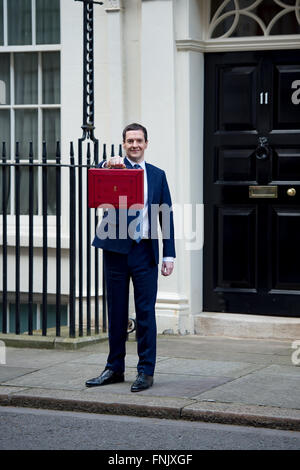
x=211 y=267
x=192 y=19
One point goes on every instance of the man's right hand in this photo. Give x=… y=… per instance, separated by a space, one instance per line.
x=115 y=162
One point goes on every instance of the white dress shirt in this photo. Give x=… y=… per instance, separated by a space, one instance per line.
x=145 y=208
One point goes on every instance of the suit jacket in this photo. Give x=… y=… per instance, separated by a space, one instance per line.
x=159 y=208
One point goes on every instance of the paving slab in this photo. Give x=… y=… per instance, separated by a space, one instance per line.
x=36 y=358
x=252 y=358
x=66 y=376
x=10 y=373
x=278 y=370
x=205 y=367
x=183 y=385
x=99 y=359
x=191 y=346
x=259 y=389
x=180 y=386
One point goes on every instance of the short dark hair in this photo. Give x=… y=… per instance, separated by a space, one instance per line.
x=135 y=127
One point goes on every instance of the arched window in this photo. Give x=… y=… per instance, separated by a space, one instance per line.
x=246 y=18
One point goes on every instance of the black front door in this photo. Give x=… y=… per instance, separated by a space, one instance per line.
x=252 y=183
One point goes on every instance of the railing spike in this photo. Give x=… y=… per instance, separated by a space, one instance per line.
x=30 y=150
x=44 y=153
x=57 y=154
x=17 y=151
x=4 y=150
x=72 y=153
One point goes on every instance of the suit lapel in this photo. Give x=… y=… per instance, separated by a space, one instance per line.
x=127 y=163
x=150 y=182
x=150 y=179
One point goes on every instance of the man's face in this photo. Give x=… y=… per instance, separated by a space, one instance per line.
x=135 y=145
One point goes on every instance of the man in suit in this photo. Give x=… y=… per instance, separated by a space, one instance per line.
x=135 y=256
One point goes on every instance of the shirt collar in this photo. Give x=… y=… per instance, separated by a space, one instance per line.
x=142 y=164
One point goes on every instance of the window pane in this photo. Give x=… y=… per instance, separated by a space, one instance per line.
x=7 y=192
x=23 y=317
x=27 y=131
x=51 y=130
x=287 y=24
x=19 y=22
x=51 y=186
x=51 y=77
x=51 y=135
x=24 y=190
x=5 y=130
x=223 y=27
x=47 y=22
x=266 y=10
x=1 y=23
x=5 y=137
x=4 y=79
x=26 y=78
x=247 y=27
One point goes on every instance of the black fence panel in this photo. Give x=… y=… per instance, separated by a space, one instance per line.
x=81 y=253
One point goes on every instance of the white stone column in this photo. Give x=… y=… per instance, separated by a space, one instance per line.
x=158 y=79
x=189 y=131
x=113 y=9
x=158 y=114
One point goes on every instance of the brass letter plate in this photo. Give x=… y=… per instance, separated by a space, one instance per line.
x=263 y=192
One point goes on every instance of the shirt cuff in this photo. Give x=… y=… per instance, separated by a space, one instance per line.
x=168 y=258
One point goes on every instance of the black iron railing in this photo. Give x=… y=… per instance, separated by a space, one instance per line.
x=82 y=225
x=82 y=222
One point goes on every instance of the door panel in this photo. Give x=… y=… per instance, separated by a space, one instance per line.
x=252 y=139
x=236 y=164
x=286 y=88
x=286 y=248
x=286 y=164
x=237 y=107
x=236 y=247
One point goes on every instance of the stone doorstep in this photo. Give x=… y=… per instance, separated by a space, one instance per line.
x=237 y=325
x=50 y=342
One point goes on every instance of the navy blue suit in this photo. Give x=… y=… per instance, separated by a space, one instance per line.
x=125 y=259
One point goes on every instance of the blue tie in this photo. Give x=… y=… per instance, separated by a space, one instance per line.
x=137 y=235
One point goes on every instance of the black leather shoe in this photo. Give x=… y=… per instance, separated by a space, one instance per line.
x=107 y=377
x=142 y=382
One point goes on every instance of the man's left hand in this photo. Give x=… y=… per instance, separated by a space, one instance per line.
x=167 y=268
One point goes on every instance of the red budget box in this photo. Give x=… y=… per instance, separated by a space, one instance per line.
x=119 y=188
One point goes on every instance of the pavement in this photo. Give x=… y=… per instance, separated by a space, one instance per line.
x=252 y=382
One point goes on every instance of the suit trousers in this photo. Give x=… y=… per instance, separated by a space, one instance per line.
x=138 y=265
